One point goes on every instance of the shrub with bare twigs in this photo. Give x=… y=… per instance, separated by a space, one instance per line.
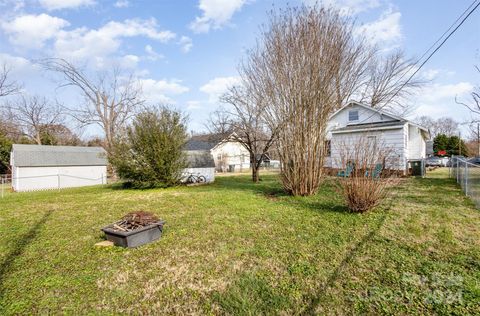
x=366 y=174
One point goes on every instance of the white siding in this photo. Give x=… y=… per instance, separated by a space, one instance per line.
x=208 y=173
x=231 y=153
x=43 y=178
x=392 y=138
x=416 y=143
x=365 y=116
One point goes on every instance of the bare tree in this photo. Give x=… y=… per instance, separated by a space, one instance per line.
x=110 y=98
x=7 y=86
x=386 y=85
x=443 y=125
x=59 y=134
x=32 y=114
x=219 y=122
x=247 y=122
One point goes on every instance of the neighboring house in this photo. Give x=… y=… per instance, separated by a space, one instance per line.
x=200 y=162
x=40 y=167
x=406 y=139
x=228 y=154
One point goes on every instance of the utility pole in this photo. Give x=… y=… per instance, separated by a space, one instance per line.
x=459 y=143
x=478 y=139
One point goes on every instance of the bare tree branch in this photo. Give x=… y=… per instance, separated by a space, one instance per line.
x=387 y=86
x=7 y=87
x=110 y=98
x=474 y=103
x=32 y=114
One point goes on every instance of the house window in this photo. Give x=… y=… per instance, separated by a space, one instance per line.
x=353 y=115
x=328 y=147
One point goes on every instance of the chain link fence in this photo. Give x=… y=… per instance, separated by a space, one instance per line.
x=46 y=182
x=5 y=184
x=468 y=177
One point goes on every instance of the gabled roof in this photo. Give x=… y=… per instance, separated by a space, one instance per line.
x=53 y=156
x=205 y=141
x=366 y=106
x=379 y=111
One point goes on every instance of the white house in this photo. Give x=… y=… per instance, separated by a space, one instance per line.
x=406 y=139
x=40 y=167
x=228 y=155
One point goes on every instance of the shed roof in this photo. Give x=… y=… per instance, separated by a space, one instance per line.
x=193 y=144
x=205 y=141
x=200 y=159
x=53 y=156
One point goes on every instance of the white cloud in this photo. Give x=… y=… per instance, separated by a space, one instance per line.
x=65 y=4
x=17 y=65
x=122 y=4
x=160 y=91
x=83 y=43
x=31 y=31
x=216 y=13
x=218 y=86
x=348 y=7
x=129 y=61
x=152 y=54
x=430 y=74
x=186 y=43
x=386 y=30
x=438 y=100
x=193 y=105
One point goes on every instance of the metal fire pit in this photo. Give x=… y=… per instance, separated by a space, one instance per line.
x=135 y=237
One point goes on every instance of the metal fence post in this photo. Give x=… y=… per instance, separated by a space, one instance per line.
x=456 y=169
x=466 y=178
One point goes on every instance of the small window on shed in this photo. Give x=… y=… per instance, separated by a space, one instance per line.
x=353 y=115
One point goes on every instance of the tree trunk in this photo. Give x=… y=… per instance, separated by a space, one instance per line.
x=38 y=138
x=255 y=173
x=253 y=164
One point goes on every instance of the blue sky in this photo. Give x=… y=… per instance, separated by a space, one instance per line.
x=186 y=52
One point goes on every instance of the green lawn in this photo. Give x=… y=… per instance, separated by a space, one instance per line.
x=238 y=248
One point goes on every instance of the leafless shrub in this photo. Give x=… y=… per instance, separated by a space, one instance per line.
x=365 y=178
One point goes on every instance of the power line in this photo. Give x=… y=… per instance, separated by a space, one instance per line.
x=451 y=26
x=434 y=51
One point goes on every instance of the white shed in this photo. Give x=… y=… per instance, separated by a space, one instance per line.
x=41 y=167
x=200 y=163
